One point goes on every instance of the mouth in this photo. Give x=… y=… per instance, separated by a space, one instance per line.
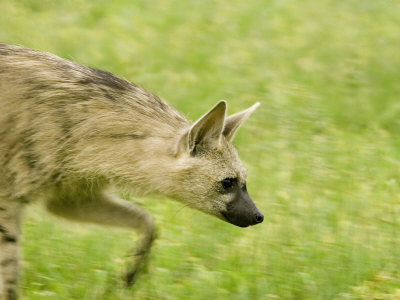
x=233 y=221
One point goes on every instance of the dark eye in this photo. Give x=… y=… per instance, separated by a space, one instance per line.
x=227 y=183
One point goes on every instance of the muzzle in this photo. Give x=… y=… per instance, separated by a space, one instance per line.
x=241 y=210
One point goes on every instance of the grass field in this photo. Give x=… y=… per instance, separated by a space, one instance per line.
x=322 y=151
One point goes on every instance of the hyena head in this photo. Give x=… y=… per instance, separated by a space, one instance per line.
x=213 y=179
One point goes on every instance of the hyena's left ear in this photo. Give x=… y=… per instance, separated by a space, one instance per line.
x=233 y=122
x=206 y=131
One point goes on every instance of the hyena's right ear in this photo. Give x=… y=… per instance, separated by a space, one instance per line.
x=233 y=122
x=206 y=131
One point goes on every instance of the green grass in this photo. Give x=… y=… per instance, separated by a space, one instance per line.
x=322 y=152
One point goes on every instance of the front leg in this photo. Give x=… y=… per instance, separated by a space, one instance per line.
x=104 y=209
x=140 y=253
x=10 y=210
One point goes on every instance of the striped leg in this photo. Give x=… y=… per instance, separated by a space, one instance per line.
x=10 y=212
x=108 y=210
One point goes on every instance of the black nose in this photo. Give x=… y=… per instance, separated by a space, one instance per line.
x=258 y=217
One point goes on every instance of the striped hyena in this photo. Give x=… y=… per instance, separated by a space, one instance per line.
x=68 y=132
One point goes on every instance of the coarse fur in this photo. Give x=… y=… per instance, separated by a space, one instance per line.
x=69 y=132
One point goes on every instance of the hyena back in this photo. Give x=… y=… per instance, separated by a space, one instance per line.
x=68 y=132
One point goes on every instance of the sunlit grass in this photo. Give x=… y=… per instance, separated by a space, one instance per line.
x=322 y=151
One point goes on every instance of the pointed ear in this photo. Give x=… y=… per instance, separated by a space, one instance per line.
x=206 y=131
x=233 y=122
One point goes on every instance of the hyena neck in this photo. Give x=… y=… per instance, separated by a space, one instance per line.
x=133 y=144
x=150 y=167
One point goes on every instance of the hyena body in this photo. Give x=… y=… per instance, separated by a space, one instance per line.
x=68 y=132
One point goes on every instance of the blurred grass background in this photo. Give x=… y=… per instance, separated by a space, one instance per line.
x=322 y=152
